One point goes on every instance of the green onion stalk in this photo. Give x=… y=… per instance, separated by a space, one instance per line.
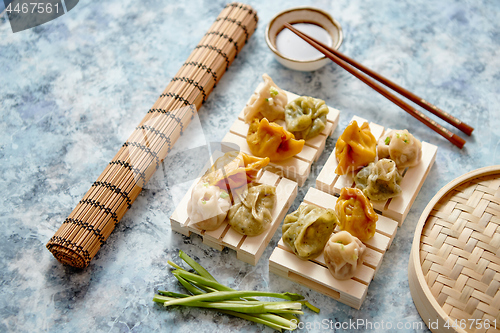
x=206 y=292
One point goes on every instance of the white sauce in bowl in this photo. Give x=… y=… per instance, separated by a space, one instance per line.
x=292 y=46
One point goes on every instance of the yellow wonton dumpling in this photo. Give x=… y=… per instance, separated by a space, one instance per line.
x=268 y=102
x=355 y=148
x=234 y=170
x=355 y=213
x=271 y=140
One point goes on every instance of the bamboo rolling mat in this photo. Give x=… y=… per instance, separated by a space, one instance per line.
x=454 y=268
x=89 y=225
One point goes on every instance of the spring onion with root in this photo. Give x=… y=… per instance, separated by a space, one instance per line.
x=206 y=292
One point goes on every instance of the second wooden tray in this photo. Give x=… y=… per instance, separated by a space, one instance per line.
x=296 y=168
x=314 y=273
x=413 y=178
x=249 y=249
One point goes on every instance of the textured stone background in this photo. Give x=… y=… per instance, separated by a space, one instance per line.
x=73 y=89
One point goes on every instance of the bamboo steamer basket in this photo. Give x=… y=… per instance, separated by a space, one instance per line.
x=454 y=266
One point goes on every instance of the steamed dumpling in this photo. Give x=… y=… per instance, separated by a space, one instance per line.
x=306 y=117
x=343 y=254
x=355 y=148
x=269 y=102
x=401 y=147
x=234 y=170
x=379 y=181
x=356 y=214
x=271 y=140
x=307 y=230
x=252 y=215
x=208 y=206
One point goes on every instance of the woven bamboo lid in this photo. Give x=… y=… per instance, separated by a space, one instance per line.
x=454 y=268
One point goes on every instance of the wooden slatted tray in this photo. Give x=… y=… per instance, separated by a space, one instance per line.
x=249 y=249
x=296 y=168
x=314 y=273
x=454 y=267
x=413 y=178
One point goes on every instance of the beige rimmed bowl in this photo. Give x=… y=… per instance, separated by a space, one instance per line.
x=303 y=15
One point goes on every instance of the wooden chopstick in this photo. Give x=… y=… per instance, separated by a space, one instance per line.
x=402 y=91
x=450 y=136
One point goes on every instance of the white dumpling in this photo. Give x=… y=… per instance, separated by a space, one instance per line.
x=401 y=147
x=343 y=254
x=208 y=206
x=379 y=181
x=268 y=102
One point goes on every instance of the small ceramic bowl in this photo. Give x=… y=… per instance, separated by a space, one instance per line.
x=303 y=15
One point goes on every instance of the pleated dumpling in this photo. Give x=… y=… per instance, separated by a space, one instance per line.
x=252 y=214
x=307 y=230
x=208 y=206
x=306 y=117
x=379 y=181
x=271 y=140
x=355 y=213
x=343 y=254
x=234 y=170
x=355 y=148
x=401 y=147
x=268 y=102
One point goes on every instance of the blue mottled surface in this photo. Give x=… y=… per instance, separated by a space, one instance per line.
x=72 y=90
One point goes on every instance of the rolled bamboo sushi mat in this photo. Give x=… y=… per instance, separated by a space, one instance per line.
x=454 y=269
x=89 y=225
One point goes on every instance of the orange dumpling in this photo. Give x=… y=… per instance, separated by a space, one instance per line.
x=234 y=170
x=355 y=148
x=271 y=140
x=355 y=213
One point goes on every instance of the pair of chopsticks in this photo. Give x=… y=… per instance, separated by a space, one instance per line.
x=350 y=65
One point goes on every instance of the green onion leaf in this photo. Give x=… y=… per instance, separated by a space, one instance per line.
x=197 y=267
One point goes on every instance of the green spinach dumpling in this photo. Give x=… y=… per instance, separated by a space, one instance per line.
x=379 y=181
x=306 y=117
x=252 y=215
x=307 y=230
